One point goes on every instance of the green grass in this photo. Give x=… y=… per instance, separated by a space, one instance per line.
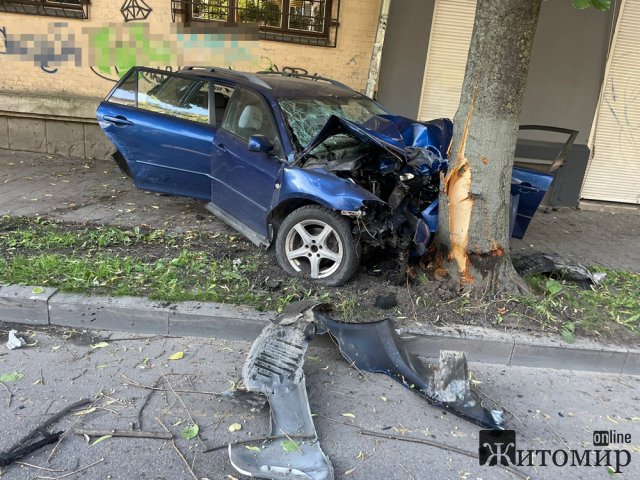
x=139 y=262
x=96 y=260
x=599 y=310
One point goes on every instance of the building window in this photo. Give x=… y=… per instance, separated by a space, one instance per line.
x=309 y=22
x=51 y=8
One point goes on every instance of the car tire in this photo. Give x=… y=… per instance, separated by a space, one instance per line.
x=316 y=243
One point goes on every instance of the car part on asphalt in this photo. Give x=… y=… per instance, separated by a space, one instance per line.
x=274 y=368
x=376 y=347
x=28 y=444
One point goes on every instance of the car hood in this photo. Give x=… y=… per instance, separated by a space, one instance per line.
x=399 y=135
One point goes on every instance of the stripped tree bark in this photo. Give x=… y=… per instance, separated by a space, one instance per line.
x=473 y=237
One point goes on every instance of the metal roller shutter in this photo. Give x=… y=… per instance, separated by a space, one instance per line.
x=613 y=174
x=447 y=58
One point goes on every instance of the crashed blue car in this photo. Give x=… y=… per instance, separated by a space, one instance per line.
x=302 y=162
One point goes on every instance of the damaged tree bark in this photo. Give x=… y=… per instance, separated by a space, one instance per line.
x=473 y=236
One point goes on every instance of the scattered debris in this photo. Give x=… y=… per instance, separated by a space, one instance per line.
x=274 y=368
x=386 y=301
x=15 y=342
x=123 y=433
x=553 y=265
x=441 y=446
x=28 y=444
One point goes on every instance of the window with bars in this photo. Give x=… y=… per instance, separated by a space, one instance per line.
x=309 y=22
x=51 y=8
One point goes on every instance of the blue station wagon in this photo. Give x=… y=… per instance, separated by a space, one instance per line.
x=302 y=162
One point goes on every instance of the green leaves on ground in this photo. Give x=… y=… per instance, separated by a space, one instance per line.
x=234 y=427
x=93 y=346
x=11 y=377
x=567 y=332
x=190 y=431
x=177 y=356
x=101 y=439
x=290 y=446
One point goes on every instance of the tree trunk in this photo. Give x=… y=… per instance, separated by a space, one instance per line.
x=473 y=237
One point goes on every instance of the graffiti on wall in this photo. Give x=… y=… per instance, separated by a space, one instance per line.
x=135 y=10
x=109 y=50
x=48 y=51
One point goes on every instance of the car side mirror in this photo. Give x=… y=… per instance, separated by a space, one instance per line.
x=260 y=143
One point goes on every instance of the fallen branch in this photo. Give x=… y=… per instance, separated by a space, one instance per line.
x=124 y=433
x=173 y=442
x=441 y=446
x=134 y=383
x=52 y=420
x=30 y=465
x=74 y=472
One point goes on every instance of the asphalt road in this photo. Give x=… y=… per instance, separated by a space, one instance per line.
x=551 y=409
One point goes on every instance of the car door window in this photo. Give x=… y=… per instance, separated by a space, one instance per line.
x=247 y=114
x=125 y=94
x=174 y=95
x=221 y=96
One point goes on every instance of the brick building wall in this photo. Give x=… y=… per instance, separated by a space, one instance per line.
x=57 y=109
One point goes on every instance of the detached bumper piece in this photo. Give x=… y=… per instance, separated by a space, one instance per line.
x=377 y=348
x=274 y=368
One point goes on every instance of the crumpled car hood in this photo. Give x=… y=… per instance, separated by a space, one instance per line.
x=397 y=134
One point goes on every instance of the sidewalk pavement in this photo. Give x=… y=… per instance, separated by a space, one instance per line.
x=550 y=410
x=78 y=190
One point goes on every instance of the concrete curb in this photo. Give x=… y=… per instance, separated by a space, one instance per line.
x=46 y=306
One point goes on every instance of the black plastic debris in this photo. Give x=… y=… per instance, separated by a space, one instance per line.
x=377 y=348
x=554 y=265
x=386 y=301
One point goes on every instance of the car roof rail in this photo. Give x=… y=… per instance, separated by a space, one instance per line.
x=230 y=73
x=295 y=73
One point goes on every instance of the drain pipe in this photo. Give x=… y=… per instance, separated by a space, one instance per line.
x=376 y=54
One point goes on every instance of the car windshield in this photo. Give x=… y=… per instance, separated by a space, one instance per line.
x=307 y=116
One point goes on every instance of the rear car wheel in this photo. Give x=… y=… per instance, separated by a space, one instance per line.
x=316 y=243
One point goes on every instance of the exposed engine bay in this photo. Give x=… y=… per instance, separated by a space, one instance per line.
x=405 y=177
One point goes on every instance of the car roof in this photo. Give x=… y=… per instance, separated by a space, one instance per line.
x=277 y=84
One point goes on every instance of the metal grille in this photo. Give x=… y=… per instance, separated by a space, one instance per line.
x=307 y=22
x=51 y=8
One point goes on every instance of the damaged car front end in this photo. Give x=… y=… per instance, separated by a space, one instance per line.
x=395 y=159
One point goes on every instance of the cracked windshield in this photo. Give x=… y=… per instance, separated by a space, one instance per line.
x=307 y=116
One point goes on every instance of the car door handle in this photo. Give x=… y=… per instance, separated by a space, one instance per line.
x=221 y=147
x=119 y=120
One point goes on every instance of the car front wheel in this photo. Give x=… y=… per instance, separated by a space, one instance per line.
x=316 y=243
